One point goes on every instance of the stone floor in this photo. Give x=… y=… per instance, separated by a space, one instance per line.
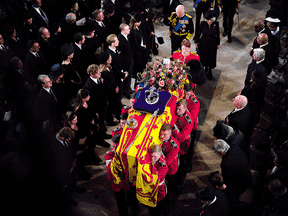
x=216 y=102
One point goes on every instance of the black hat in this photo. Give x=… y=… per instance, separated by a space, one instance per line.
x=137 y=17
x=139 y=7
x=89 y=26
x=210 y=14
x=109 y=8
x=103 y=57
x=196 y=72
x=56 y=71
x=66 y=50
x=27 y=16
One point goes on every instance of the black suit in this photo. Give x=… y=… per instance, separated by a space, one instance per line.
x=138 y=50
x=80 y=59
x=35 y=65
x=47 y=106
x=98 y=100
x=102 y=32
x=236 y=170
x=126 y=49
x=49 y=51
x=118 y=65
x=240 y=119
x=5 y=57
x=39 y=20
x=219 y=208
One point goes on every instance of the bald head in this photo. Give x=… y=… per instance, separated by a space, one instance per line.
x=180 y=12
x=258 y=26
x=262 y=39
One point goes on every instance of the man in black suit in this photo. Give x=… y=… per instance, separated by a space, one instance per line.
x=234 y=166
x=169 y=7
x=98 y=97
x=240 y=117
x=5 y=55
x=47 y=48
x=80 y=55
x=35 y=61
x=61 y=164
x=215 y=202
x=126 y=50
x=101 y=28
x=39 y=16
x=118 y=66
x=47 y=101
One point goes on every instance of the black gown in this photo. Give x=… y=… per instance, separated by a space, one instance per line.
x=208 y=39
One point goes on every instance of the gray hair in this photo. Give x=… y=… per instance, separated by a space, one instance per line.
x=259 y=53
x=41 y=77
x=221 y=146
x=40 y=32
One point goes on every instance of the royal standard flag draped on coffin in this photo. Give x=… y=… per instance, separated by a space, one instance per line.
x=132 y=151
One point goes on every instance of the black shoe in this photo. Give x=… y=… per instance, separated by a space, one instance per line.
x=79 y=190
x=166 y=210
x=107 y=136
x=112 y=123
x=224 y=34
x=188 y=168
x=229 y=39
x=71 y=201
x=104 y=144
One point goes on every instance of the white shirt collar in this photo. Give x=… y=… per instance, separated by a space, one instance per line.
x=263 y=45
x=114 y=50
x=236 y=110
x=213 y=201
x=80 y=46
x=113 y=1
x=96 y=80
x=258 y=62
x=62 y=142
x=100 y=23
x=125 y=36
x=48 y=90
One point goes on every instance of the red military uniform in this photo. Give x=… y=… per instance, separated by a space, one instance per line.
x=178 y=55
x=193 y=107
x=162 y=169
x=126 y=109
x=118 y=130
x=184 y=126
x=171 y=149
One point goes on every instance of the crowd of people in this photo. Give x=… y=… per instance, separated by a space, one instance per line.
x=64 y=69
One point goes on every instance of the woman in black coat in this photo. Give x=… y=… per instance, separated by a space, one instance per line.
x=111 y=87
x=138 y=43
x=207 y=40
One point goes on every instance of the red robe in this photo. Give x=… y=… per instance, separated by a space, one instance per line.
x=193 y=107
x=162 y=169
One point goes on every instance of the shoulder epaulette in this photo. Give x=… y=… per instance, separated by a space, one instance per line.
x=117 y=129
x=178 y=51
x=194 y=100
x=188 y=119
x=127 y=107
x=193 y=53
x=174 y=144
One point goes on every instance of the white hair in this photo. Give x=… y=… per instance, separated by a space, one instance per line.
x=182 y=8
x=259 y=53
x=221 y=146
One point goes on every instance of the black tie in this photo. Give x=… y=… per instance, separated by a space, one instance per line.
x=51 y=92
x=37 y=55
x=4 y=48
